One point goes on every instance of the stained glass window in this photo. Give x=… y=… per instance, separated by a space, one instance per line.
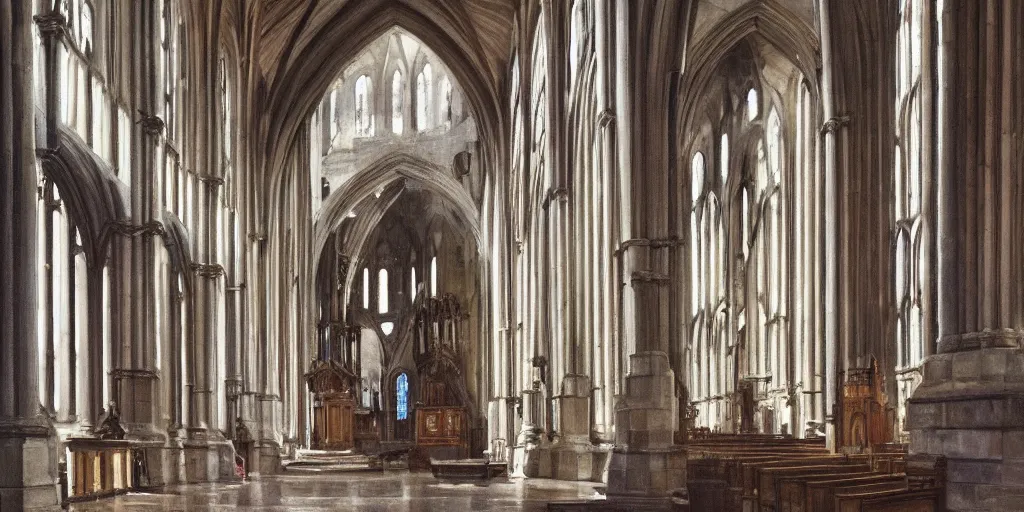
x=402 y=396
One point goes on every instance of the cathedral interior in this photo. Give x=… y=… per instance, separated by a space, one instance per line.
x=750 y=255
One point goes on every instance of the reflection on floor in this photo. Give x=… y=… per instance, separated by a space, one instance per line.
x=394 y=491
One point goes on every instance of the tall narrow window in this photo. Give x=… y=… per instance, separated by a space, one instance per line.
x=697 y=167
x=445 y=105
x=364 y=114
x=397 y=120
x=774 y=136
x=332 y=114
x=402 y=396
x=423 y=95
x=225 y=100
x=753 y=107
x=87 y=32
x=433 y=277
x=723 y=160
x=366 y=288
x=170 y=76
x=412 y=284
x=382 y=291
x=910 y=226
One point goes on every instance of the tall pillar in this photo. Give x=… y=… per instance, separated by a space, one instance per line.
x=645 y=463
x=858 y=136
x=968 y=408
x=27 y=442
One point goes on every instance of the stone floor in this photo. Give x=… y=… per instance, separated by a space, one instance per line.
x=396 y=491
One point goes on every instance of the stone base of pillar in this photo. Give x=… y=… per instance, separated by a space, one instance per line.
x=572 y=456
x=209 y=461
x=28 y=450
x=970 y=409
x=645 y=462
x=268 y=455
x=166 y=464
x=531 y=460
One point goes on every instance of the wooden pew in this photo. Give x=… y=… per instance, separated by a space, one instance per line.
x=821 y=496
x=808 y=494
x=920 y=500
x=767 y=488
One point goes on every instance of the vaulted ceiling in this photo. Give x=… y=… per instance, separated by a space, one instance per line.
x=290 y=28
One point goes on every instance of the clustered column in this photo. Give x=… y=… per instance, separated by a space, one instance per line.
x=24 y=432
x=967 y=409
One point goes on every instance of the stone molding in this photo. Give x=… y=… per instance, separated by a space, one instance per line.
x=127 y=229
x=653 y=243
x=133 y=373
x=648 y=276
x=988 y=338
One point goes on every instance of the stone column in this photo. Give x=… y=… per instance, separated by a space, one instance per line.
x=645 y=463
x=203 y=462
x=968 y=408
x=858 y=135
x=27 y=444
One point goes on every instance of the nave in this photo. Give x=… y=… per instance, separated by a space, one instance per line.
x=680 y=251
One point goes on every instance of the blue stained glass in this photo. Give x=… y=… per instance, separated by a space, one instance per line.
x=402 y=392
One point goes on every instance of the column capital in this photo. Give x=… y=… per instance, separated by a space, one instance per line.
x=605 y=118
x=133 y=373
x=128 y=230
x=208 y=270
x=214 y=181
x=555 y=193
x=833 y=124
x=52 y=23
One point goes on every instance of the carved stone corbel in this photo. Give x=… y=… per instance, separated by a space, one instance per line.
x=834 y=123
x=151 y=124
x=51 y=24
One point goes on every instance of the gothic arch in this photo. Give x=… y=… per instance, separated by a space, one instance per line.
x=383 y=174
x=767 y=19
x=177 y=242
x=342 y=38
x=93 y=193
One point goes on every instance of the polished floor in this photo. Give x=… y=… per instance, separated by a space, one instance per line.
x=396 y=491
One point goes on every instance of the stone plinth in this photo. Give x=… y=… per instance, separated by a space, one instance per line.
x=208 y=457
x=645 y=462
x=970 y=409
x=572 y=455
x=29 y=478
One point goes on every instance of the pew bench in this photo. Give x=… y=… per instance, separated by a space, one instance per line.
x=920 y=500
x=767 y=487
x=815 y=492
